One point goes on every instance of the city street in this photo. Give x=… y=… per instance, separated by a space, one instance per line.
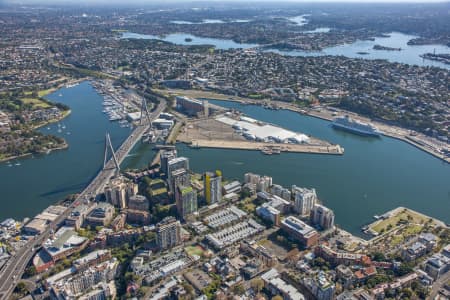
x=15 y=267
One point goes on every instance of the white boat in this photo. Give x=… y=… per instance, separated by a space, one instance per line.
x=348 y=124
x=72 y=85
x=115 y=118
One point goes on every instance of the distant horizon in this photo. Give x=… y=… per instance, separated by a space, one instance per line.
x=153 y=2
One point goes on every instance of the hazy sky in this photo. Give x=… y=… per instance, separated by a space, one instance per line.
x=190 y=1
x=203 y=3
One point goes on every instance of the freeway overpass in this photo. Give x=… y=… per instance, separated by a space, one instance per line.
x=12 y=272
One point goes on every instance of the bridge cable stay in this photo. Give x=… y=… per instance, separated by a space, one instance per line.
x=108 y=145
x=144 y=109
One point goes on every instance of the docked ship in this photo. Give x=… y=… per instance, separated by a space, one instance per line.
x=348 y=124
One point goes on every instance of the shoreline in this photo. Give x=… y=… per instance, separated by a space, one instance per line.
x=312 y=113
x=393 y=213
x=62 y=84
x=406 y=139
x=65 y=114
x=62 y=147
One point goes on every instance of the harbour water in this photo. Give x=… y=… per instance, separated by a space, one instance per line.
x=42 y=180
x=319 y=30
x=180 y=39
x=299 y=20
x=373 y=176
x=408 y=54
x=209 y=21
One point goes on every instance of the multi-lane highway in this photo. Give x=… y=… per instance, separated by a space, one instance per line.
x=12 y=272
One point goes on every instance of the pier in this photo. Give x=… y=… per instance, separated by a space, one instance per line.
x=244 y=145
x=231 y=133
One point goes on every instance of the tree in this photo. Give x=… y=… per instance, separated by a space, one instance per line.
x=378 y=256
x=21 y=288
x=422 y=292
x=390 y=293
x=404 y=269
x=211 y=288
x=131 y=277
x=239 y=289
x=66 y=263
x=257 y=284
x=277 y=297
x=406 y=293
x=140 y=293
x=188 y=288
x=30 y=271
x=320 y=262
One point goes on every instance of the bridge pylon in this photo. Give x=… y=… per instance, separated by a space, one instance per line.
x=144 y=110
x=108 y=146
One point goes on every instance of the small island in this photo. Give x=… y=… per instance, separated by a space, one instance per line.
x=362 y=53
x=188 y=40
x=385 y=48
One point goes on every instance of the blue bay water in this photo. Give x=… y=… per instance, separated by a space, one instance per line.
x=373 y=176
x=45 y=179
x=408 y=54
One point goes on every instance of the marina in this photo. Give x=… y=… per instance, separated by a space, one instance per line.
x=118 y=105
